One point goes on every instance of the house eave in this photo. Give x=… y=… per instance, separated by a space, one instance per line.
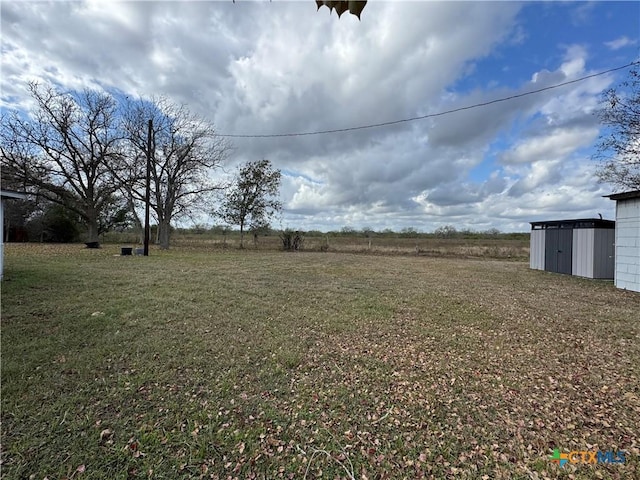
x=624 y=195
x=13 y=194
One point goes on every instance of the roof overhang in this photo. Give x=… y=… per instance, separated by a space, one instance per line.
x=12 y=194
x=624 y=195
x=574 y=223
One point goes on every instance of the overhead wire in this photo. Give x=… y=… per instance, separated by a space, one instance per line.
x=431 y=115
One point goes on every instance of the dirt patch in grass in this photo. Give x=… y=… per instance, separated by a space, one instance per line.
x=204 y=364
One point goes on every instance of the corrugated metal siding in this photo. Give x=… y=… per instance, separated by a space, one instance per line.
x=603 y=253
x=582 y=253
x=627 y=269
x=536 y=250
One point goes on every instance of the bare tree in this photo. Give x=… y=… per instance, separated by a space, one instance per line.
x=185 y=149
x=251 y=198
x=618 y=149
x=64 y=149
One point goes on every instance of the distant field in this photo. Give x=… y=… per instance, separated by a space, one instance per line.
x=205 y=362
x=500 y=247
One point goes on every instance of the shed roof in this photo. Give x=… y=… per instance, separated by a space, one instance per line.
x=13 y=194
x=624 y=195
x=574 y=223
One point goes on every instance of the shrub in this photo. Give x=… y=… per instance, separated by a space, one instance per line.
x=292 y=240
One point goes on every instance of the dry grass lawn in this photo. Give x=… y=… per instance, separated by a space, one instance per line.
x=198 y=363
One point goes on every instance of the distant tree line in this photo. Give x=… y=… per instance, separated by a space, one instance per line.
x=447 y=231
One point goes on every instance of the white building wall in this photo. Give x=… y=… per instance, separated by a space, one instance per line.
x=582 y=252
x=627 y=270
x=536 y=249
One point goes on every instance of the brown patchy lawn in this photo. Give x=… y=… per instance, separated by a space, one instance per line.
x=227 y=364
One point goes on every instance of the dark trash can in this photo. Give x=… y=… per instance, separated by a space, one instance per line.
x=126 y=251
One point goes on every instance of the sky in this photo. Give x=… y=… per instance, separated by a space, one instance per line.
x=284 y=67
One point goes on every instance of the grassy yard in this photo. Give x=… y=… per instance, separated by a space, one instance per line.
x=196 y=363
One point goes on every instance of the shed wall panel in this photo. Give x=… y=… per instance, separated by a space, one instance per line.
x=582 y=252
x=551 y=250
x=565 y=249
x=536 y=250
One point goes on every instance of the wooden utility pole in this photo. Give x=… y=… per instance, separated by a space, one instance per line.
x=147 y=194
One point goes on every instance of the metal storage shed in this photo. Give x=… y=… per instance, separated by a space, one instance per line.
x=627 y=265
x=582 y=247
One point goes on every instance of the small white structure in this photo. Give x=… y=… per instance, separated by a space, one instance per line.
x=536 y=248
x=582 y=247
x=627 y=267
x=5 y=195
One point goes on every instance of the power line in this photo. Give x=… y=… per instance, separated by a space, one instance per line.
x=431 y=115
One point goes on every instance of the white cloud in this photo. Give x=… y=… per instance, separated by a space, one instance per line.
x=575 y=60
x=555 y=145
x=279 y=67
x=542 y=172
x=620 y=42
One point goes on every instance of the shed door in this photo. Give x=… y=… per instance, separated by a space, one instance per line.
x=559 y=246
